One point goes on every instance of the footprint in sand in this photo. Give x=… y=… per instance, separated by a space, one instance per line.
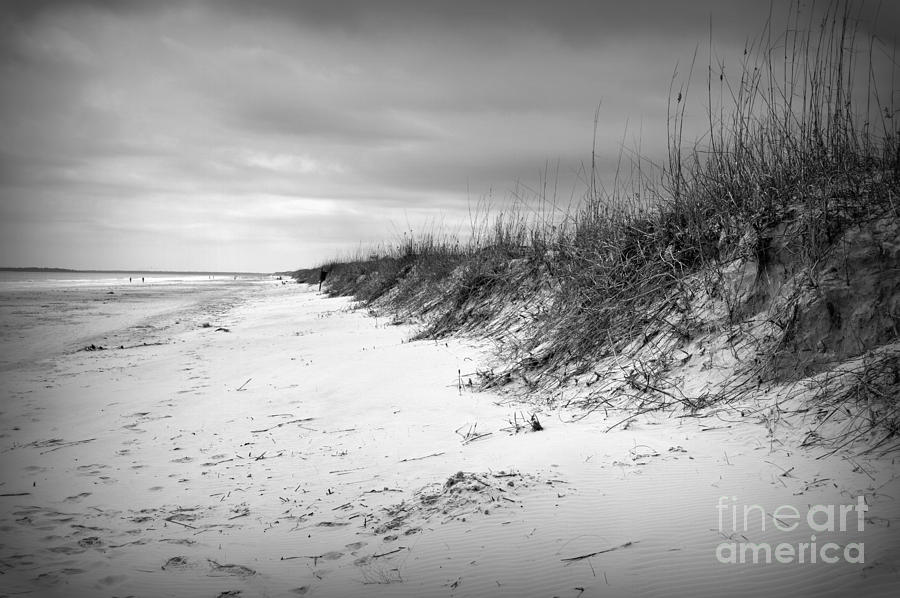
x=77 y=497
x=72 y=571
x=183 y=460
x=20 y=560
x=46 y=579
x=228 y=569
x=111 y=580
x=179 y=563
x=332 y=556
x=66 y=549
x=92 y=469
x=90 y=541
x=184 y=541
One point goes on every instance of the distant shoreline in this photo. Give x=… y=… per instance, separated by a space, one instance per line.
x=195 y=272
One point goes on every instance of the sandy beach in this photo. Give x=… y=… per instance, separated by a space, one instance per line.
x=260 y=439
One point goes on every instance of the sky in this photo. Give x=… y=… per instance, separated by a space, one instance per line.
x=270 y=135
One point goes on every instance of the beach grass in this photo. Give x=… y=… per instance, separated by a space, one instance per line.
x=798 y=163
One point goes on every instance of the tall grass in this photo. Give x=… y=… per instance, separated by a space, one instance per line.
x=787 y=144
x=801 y=146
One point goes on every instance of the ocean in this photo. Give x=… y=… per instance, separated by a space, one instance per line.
x=44 y=314
x=15 y=279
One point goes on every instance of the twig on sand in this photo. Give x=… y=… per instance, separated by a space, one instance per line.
x=471 y=435
x=156 y=344
x=786 y=472
x=241 y=387
x=65 y=444
x=315 y=558
x=293 y=421
x=346 y=471
x=376 y=556
x=476 y=437
x=263 y=456
x=631 y=417
x=16 y=494
x=179 y=522
x=587 y=556
x=420 y=458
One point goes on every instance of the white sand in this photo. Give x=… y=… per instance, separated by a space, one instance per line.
x=270 y=460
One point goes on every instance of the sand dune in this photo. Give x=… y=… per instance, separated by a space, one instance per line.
x=265 y=440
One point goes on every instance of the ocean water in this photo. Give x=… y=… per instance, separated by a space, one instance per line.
x=16 y=280
x=45 y=314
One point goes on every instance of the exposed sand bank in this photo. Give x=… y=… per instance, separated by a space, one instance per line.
x=270 y=452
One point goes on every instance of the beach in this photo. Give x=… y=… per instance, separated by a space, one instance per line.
x=254 y=438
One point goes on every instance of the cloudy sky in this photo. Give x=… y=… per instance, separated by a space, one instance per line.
x=263 y=136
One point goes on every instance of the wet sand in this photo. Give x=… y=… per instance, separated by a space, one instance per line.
x=263 y=440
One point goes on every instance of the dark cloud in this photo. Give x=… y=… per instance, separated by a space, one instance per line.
x=311 y=126
x=575 y=22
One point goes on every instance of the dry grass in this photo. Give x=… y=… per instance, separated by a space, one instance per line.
x=799 y=150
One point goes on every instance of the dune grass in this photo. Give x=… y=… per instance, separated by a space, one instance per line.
x=790 y=147
x=797 y=150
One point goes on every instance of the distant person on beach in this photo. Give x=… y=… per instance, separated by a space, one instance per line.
x=323 y=274
x=142 y=279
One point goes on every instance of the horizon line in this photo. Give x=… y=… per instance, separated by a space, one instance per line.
x=121 y=271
